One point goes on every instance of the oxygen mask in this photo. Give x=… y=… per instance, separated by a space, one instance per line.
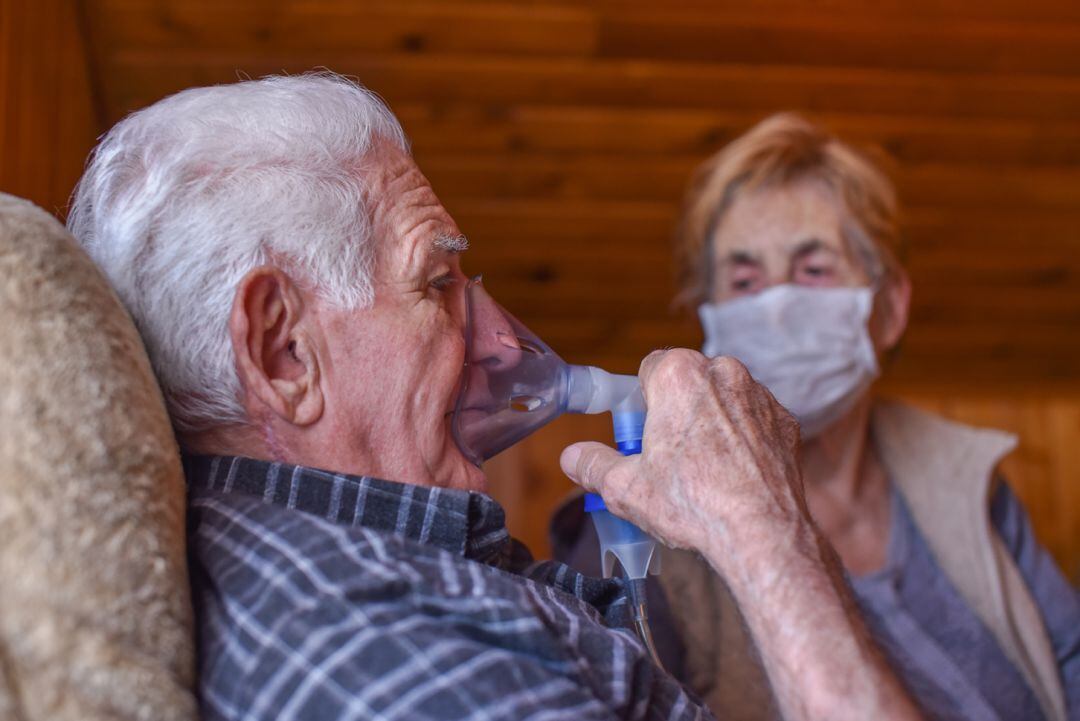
x=514 y=384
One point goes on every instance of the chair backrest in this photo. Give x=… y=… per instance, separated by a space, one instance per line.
x=95 y=612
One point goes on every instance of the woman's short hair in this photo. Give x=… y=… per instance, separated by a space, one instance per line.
x=781 y=150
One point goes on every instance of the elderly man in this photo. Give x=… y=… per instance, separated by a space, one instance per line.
x=298 y=286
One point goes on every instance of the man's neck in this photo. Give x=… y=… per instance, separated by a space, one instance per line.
x=332 y=453
x=237 y=440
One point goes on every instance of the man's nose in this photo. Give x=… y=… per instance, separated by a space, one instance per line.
x=495 y=344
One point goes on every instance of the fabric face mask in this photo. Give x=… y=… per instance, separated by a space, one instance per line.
x=809 y=346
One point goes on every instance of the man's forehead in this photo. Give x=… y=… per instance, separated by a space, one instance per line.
x=409 y=214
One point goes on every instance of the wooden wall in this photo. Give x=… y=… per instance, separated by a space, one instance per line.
x=47 y=118
x=560 y=133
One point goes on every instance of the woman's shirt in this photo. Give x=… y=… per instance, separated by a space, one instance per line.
x=945 y=654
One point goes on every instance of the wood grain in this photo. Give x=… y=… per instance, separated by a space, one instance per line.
x=47 y=118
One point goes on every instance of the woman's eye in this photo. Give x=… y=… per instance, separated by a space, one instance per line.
x=745 y=283
x=816 y=275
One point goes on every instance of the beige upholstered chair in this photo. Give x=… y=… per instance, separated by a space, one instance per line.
x=95 y=614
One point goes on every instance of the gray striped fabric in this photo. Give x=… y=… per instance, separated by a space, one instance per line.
x=327 y=596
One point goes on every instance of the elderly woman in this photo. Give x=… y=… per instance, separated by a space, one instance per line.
x=787 y=248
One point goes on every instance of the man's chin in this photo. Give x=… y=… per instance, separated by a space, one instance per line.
x=457 y=471
x=473 y=477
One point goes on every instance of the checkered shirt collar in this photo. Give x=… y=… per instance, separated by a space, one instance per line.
x=463 y=522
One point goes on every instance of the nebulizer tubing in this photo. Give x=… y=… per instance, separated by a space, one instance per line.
x=513 y=384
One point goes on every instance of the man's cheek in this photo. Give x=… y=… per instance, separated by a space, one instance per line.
x=450 y=355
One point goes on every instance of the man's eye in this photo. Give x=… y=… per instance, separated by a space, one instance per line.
x=443 y=282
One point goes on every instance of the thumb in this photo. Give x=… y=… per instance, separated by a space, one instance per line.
x=589 y=464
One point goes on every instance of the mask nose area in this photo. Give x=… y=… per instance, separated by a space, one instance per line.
x=512 y=382
x=493 y=343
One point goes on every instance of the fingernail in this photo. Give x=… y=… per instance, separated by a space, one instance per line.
x=569 y=460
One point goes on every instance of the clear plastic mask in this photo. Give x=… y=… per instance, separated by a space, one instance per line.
x=514 y=384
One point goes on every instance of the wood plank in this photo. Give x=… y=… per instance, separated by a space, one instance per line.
x=812 y=38
x=77 y=121
x=1063 y=505
x=146 y=76
x=885 y=10
x=604 y=177
x=745 y=36
x=343 y=25
x=48 y=126
x=636 y=132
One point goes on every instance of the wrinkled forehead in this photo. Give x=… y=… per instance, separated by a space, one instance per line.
x=779 y=220
x=409 y=221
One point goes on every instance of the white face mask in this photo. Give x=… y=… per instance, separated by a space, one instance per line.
x=809 y=346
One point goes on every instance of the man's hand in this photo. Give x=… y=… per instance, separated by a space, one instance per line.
x=718 y=471
x=719 y=474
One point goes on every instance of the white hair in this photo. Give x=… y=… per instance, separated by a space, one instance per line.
x=180 y=200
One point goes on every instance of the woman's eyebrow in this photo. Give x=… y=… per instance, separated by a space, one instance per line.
x=812 y=245
x=740 y=257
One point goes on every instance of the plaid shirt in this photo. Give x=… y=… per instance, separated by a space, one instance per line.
x=326 y=596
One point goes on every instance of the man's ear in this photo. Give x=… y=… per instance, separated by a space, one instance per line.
x=275 y=359
x=891 y=309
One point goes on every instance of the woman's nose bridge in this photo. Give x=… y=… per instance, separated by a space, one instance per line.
x=771 y=281
x=775 y=269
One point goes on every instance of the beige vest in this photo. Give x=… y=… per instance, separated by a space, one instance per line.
x=945 y=472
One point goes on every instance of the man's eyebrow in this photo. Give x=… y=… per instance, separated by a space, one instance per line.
x=451 y=243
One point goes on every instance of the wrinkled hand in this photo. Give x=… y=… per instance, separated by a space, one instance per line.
x=718 y=472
